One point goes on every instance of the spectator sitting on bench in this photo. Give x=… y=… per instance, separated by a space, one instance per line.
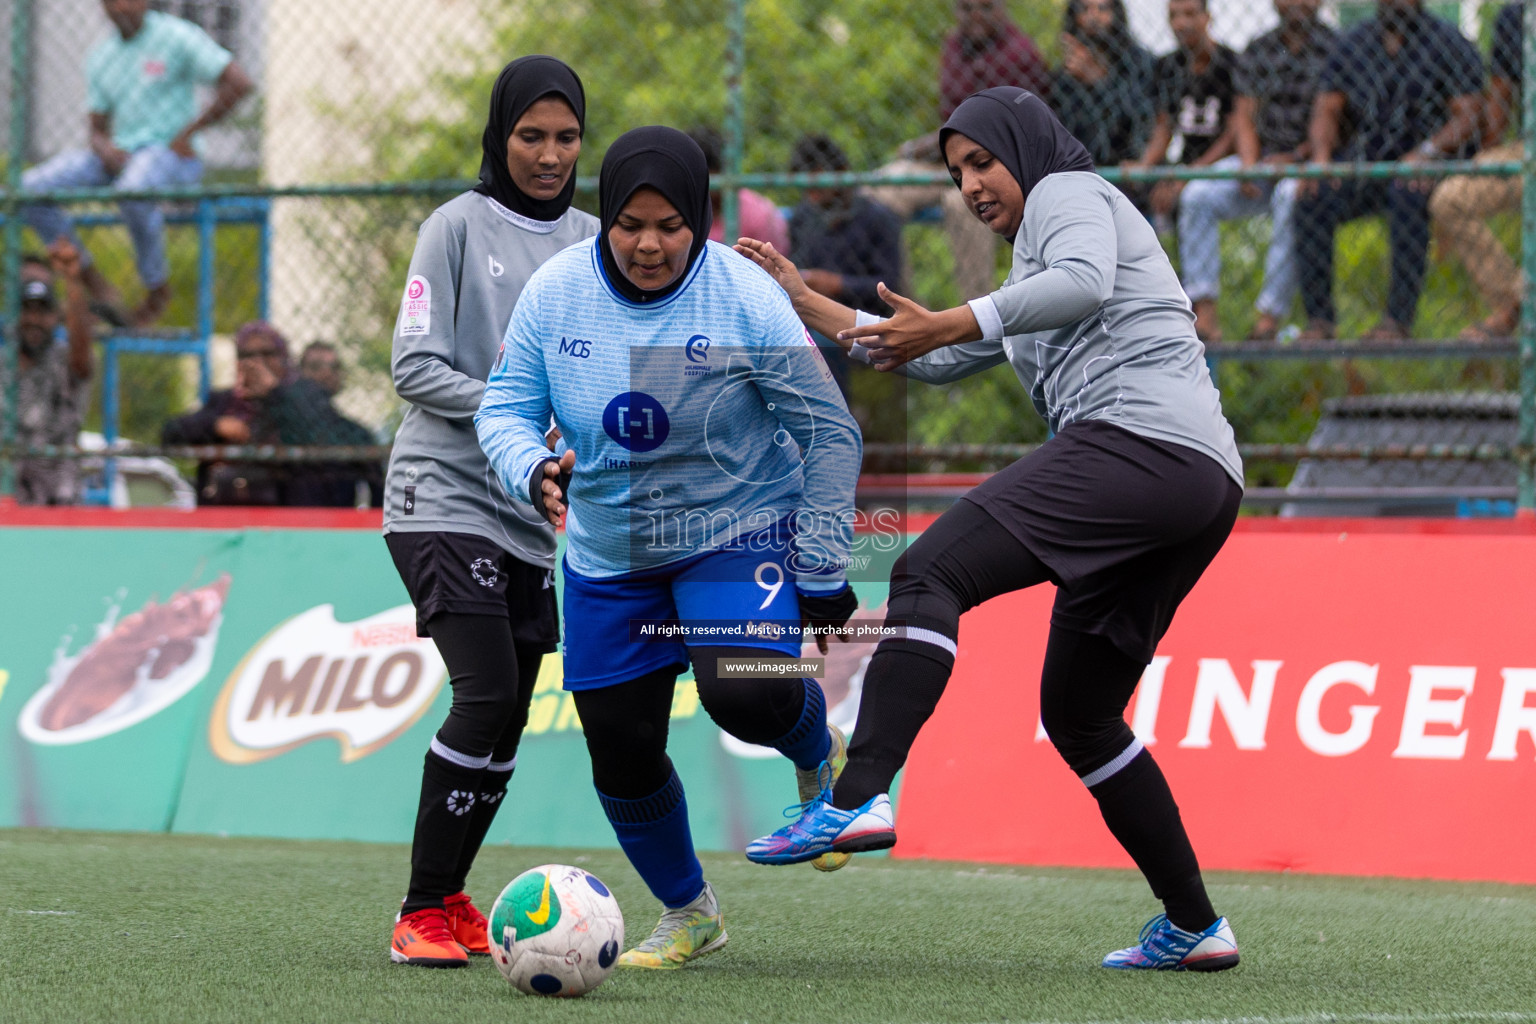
x=986 y=49
x=1103 y=92
x=1411 y=86
x=1460 y=205
x=1195 y=97
x=143 y=135
x=331 y=484
x=53 y=382
x=846 y=243
x=1276 y=84
x=260 y=409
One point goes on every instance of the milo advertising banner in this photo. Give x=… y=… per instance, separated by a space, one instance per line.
x=270 y=682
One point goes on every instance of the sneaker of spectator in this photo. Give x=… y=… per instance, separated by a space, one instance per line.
x=985 y=49
x=1460 y=206
x=756 y=214
x=1276 y=82
x=143 y=135
x=1421 y=69
x=52 y=381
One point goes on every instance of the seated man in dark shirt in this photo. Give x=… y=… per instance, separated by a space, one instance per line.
x=1103 y=91
x=1276 y=83
x=1460 y=204
x=1403 y=86
x=847 y=244
x=269 y=404
x=1195 y=96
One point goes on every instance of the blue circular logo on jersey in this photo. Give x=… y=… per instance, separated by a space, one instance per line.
x=697 y=349
x=636 y=422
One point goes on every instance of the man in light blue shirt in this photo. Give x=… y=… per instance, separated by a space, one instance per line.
x=143 y=128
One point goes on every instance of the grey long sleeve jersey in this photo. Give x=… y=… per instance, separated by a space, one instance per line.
x=473 y=256
x=1095 y=324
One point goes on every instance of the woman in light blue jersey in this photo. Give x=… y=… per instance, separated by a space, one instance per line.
x=1122 y=509
x=477 y=565
x=706 y=485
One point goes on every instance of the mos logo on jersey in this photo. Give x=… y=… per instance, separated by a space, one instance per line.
x=576 y=348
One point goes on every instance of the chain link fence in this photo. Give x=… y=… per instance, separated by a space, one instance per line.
x=1311 y=285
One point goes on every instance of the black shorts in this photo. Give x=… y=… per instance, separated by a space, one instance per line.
x=1125 y=524
x=465 y=574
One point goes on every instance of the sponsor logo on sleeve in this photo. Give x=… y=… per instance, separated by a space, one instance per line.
x=133 y=668
x=360 y=683
x=416 y=307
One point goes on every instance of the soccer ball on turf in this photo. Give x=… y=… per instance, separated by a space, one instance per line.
x=555 y=931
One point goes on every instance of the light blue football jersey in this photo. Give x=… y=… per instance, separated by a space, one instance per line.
x=696 y=419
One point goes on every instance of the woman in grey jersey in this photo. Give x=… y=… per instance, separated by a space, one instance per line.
x=1122 y=509
x=477 y=565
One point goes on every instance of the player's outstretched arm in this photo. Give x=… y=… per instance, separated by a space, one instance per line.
x=821 y=314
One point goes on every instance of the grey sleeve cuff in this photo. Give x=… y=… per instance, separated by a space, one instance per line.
x=858 y=352
x=991 y=321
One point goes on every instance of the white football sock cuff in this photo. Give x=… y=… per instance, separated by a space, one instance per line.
x=1124 y=758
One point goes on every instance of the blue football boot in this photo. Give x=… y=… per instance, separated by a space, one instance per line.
x=1162 y=946
x=822 y=828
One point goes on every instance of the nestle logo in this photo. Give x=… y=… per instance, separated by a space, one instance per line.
x=384 y=635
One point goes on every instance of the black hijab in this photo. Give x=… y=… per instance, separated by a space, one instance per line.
x=670 y=162
x=520 y=85
x=1019 y=129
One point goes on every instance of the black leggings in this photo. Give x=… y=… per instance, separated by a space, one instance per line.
x=492 y=682
x=963 y=559
x=626 y=724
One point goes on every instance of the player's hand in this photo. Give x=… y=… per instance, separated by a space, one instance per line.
x=778 y=266
x=181 y=145
x=1308 y=188
x=1420 y=185
x=552 y=438
x=232 y=429
x=824 y=610
x=549 y=486
x=65 y=259
x=113 y=160
x=1079 y=61
x=911 y=331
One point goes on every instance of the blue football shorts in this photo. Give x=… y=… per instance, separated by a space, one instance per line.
x=747 y=582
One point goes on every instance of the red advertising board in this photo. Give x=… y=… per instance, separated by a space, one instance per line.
x=1335 y=697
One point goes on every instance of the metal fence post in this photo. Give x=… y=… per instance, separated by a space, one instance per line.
x=735 y=114
x=10 y=273
x=1527 y=436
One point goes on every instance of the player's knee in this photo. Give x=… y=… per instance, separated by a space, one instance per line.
x=1446 y=203
x=1086 y=743
x=922 y=586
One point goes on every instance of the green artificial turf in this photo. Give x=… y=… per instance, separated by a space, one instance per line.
x=130 y=928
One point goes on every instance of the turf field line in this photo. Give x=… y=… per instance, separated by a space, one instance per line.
x=1468 y=1017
